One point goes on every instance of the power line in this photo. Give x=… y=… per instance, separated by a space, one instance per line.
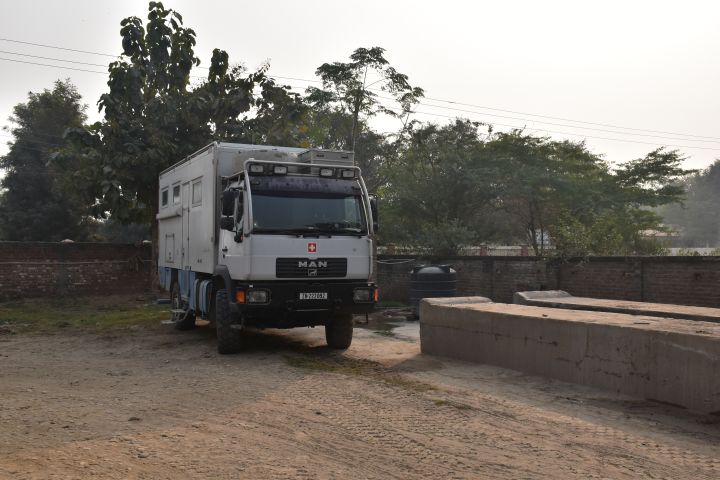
x=569 y=119
x=533 y=115
x=57 y=48
x=421 y=103
x=578 y=134
x=554 y=131
x=55 y=66
x=565 y=125
x=454 y=102
x=52 y=58
x=699 y=137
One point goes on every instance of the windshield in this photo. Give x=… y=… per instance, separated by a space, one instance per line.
x=277 y=213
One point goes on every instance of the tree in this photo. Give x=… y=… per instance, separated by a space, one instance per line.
x=345 y=86
x=38 y=202
x=343 y=106
x=449 y=187
x=439 y=186
x=153 y=116
x=698 y=216
x=540 y=180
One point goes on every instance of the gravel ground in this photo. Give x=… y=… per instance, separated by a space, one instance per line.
x=153 y=403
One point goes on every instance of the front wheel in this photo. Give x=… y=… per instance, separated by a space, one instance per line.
x=229 y=339
x=339 y=331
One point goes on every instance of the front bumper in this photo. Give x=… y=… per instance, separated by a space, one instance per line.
x=285 y=309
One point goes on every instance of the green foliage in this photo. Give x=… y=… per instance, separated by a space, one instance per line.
x=699 y=216
x=449 y=187
x=608 y=233
x=39 y=202
x=153 y=116
x=346 y=91
x=652 y=180
x=113 y=231
x=439 y=184
x=542 y=180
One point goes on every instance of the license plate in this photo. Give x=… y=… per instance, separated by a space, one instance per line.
x=313 y=296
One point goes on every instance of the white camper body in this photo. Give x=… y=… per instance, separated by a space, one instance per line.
x=285 y=233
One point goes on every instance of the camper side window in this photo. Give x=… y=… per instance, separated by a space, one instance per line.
x=197 y=192
x=164 y=198
x=176 y=194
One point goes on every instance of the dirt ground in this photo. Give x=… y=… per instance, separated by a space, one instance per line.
x=153 y=403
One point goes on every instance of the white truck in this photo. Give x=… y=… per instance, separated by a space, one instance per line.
x=255 y=236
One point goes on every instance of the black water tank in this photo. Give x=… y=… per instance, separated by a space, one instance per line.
x=431 y=281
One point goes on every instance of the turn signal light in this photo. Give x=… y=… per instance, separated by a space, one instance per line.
x=240 y=296
x=376 y=294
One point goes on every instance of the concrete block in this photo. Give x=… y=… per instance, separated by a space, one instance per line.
x=454 y=300
x=562 y=299
x=663 y=359
x=525 y=298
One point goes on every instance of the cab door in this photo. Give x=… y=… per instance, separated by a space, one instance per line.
x=234 y=248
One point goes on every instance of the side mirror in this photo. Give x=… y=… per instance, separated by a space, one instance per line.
x=228 y=203
x=227 y=223
x=374 y=212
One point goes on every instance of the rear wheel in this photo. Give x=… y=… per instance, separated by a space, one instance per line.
x=339 y=331
x=183 y=318
x=229 y=339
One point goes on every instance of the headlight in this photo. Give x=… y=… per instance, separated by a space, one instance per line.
x=362 y=295
x=258 y=296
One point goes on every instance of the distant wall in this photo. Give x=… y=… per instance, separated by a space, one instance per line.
x=31 y=269
x=35 y=269
x=679 y=280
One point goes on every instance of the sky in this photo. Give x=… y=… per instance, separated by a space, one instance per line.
x=625 y=76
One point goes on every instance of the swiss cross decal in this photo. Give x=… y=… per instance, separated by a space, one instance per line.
x=312 y=248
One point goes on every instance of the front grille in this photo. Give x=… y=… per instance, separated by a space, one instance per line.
x=310 y=268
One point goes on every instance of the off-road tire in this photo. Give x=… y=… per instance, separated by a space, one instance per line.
x=181 y=322
x=339 y=331
x=229 y=340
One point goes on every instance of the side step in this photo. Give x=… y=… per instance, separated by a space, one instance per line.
x=174 y=312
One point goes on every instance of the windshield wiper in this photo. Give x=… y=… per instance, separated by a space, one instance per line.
x=283 y=231
x=336 y=227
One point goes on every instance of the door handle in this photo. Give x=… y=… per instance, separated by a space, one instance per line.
x=225 y=249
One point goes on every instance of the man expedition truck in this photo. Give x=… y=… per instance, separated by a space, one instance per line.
x=266 y=237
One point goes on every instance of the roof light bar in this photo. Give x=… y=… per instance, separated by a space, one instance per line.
x=257 y=168
x=326 y=172
x=348 y=174
x=280 y=169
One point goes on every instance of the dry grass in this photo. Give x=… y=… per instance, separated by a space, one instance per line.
x=43 y=315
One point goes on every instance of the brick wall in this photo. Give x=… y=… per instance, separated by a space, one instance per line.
x=39 y=269
x=32 y=269
x=679 y=280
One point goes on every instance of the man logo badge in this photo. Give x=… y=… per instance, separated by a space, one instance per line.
x=312 y=264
